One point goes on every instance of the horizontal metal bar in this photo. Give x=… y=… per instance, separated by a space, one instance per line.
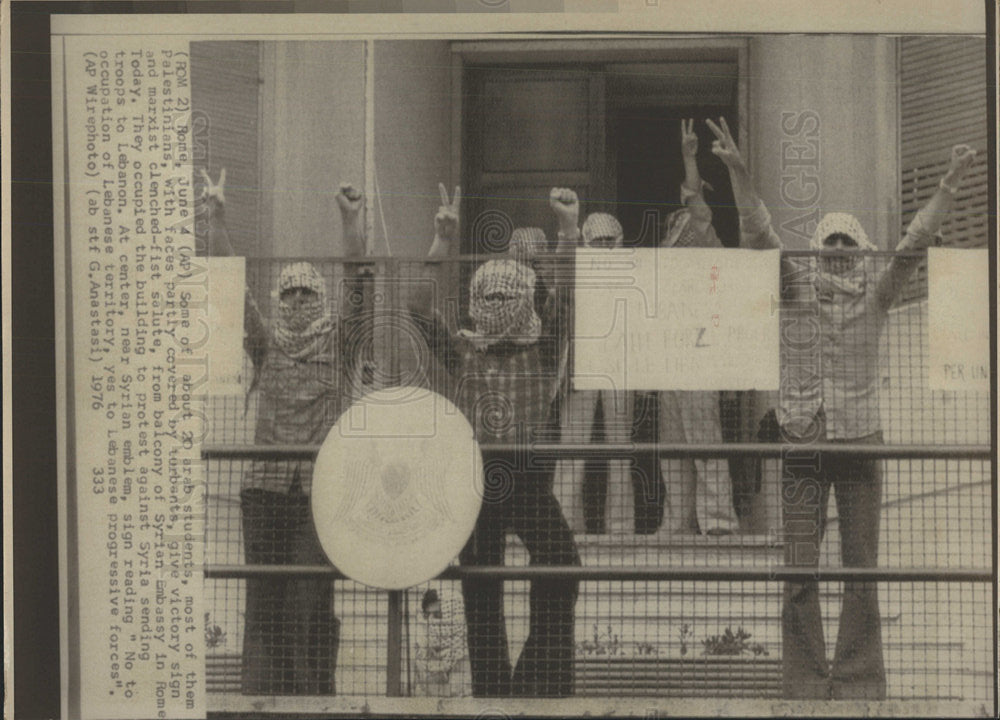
x=662 y=573
x=451 y=259
x=605 y=450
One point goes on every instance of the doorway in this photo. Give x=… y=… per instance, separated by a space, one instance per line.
x=603 y=119
x=610 y=131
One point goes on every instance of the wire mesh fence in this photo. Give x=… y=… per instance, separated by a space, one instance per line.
x=693 y=505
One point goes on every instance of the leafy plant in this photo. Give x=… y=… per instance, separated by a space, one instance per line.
x=214 y=635
x=730 y=643
x=645 y=648
x=685 y=635
x=609 y=644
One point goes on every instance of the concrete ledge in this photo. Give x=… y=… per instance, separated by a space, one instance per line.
x=485 y=709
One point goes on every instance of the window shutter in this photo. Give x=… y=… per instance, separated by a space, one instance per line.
x=942 y=102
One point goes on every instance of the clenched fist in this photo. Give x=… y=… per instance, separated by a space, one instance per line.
x=566 y=206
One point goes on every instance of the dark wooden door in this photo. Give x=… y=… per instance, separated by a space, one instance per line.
x=527 y=130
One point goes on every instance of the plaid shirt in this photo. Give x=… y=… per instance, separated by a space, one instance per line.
x=508 y=391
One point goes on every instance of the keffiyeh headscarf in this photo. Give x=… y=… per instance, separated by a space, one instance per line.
x=853 y=281
x=501 y=304
x=526 y=243
x=302 y=332
x=602 y=225
x=681 y=230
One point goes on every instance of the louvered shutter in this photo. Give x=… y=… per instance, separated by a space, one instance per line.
x=942 y=102
x=225 y=97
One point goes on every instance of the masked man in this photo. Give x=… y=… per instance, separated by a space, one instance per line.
x=828 y=393
x=600 y=230
x=700 y=490
x=443 y=662
x=505 y=375
x=291 y=634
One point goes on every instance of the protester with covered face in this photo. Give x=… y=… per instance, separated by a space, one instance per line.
x=442 y=663
x=505 y=374
x=600 y=230
x=698 y=490
x=832 y=314
x=291 y=634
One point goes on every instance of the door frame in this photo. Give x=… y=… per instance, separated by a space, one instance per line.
x=593 y=50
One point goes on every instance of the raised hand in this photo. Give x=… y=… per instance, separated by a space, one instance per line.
x=447 y=220
x=214 y=191
x=350 y=199
x=566 y=206
x=689 y=140
x=962 y=157
x=724 y=146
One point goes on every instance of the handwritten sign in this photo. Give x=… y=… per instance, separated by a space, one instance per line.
x=958 y=302
x=676 y=319
x=225 y=324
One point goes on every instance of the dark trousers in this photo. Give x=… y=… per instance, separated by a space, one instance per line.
x=291 y=635
x=858 y=670
x=522 y=500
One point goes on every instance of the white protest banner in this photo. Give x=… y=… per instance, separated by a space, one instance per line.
x=676 y=319
x=226 y=282
x=958 y=306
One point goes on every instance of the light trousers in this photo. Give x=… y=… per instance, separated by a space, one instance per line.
x=577 y=426
x=699 y=492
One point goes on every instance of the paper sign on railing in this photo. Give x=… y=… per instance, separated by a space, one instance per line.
x=958 y=305
x=226 y=282
x=676 y=319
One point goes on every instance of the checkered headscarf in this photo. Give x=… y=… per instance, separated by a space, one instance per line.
x=680 y=231
x=301 y=275
x=512 y=317
x=525 y=243
x=602 y=225
x=302 y=332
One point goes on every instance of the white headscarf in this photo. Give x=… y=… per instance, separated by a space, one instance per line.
x=853 y=281
x=840 y=224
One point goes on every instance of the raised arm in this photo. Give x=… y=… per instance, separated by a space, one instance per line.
x=214 y=197
x=755 y=221
x=557 y=270
x=351 y=201
x=691 y=188
x=566 y=205
x=446 y=225
x=924 y=227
